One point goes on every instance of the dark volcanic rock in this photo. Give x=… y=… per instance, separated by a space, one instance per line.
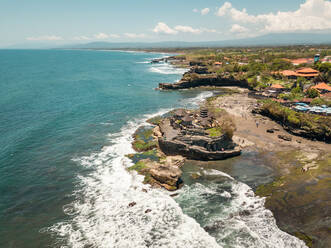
x=285 y=137
x=193 y=79
x=184 y=134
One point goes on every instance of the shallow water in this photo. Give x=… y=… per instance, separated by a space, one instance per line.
x=67 y=119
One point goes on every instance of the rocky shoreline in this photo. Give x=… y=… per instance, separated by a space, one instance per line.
x=198 y=77
x=301 y=165
x=204 y=134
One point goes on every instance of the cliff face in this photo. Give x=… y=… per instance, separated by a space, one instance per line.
x=192 y=79
x=301 y=124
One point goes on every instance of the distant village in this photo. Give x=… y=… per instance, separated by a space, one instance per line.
x=298 y=77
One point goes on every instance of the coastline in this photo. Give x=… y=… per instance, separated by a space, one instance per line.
x=239 y=105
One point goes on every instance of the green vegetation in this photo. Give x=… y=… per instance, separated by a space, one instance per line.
x=143 y=140
x=225 y=124
x=312 y=93
x=155 y=120
x=325 y=69
x=310 y=125
x=139 y=166
x=320 y=101
x=258 y=66
x=214 y=132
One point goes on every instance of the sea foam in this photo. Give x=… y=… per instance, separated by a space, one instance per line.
x=101 y=216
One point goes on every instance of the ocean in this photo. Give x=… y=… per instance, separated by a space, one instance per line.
x=66 y=123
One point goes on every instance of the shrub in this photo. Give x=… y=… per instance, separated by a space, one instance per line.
x=312 y=93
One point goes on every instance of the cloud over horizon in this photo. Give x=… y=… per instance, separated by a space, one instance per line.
x=310 y=16
x=163 y=28
x=45 y=38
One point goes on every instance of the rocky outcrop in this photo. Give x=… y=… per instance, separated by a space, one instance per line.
x=196 y=152
x=166 y=174
x=192 y=80
x=193 y=137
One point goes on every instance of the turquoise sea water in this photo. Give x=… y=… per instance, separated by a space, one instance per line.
x=66 y=121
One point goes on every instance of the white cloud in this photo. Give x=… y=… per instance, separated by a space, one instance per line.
x=236 y=28
x=187 y=29
x=205 y=11
x=101 y=36
x=162 y=28
x=81 y=38
x=223 y=10
x=115 y=36
x=311 y=15
x=45 y=38
x=195 y=10
x=133 y=35
x=207 y=30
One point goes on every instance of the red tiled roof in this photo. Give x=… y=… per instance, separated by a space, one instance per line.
x=302 y=61
x=307 y=70
x=277 y=86
x=218 y=63
x=322 y=86
x=288 y=73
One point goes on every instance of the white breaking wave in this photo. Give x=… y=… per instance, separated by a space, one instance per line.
x=241 y=219
x=101 y=216
x=165 y=68
x=196 y=101
x=143 y=62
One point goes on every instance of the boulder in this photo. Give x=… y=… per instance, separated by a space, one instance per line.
x=169 y=175
x=284 y=137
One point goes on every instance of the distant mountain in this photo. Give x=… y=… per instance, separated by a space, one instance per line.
x=280 y=39
x=265 y=40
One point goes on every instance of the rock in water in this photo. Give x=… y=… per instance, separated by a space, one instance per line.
x=168 y=175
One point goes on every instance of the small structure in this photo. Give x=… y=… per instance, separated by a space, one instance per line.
x=179 y=113
x=302 y=61
x=187 y=120
x=218 y=63
x=307 y=73
x=316 y=58
x=204 y=113
x=322 y=88
x=277 y=87
x=289 y=74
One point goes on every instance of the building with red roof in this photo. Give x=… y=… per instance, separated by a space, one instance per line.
x=302 y=61
x=322 y=87
x=303 y=72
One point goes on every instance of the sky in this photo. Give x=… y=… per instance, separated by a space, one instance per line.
x=83 y=21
